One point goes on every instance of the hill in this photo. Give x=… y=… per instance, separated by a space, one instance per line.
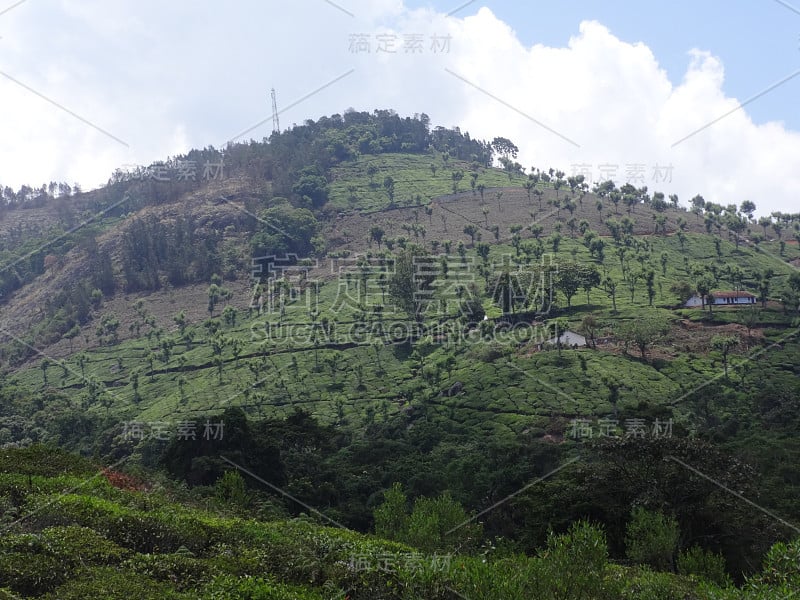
x=374 y=297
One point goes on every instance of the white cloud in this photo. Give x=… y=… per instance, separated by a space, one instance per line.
x=164 y=78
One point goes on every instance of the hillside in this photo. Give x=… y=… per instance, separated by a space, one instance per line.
x=401 y=339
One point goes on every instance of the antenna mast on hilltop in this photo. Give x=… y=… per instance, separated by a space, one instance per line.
x=276 y=124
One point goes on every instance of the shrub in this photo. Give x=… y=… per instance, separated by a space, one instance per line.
x=574 y=565
x=230 y=588
x=31 y=574
x=391 y=517
x=74 y=544
x=184 y=570
x=648 y=585
x=107 y=582
x=705 y=564
x=146 y=532
x=231 y=489
x=434 y=524
x=651 y=539
x=45 y=461
x=781 y=564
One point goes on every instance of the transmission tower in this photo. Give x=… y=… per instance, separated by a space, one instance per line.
x=276 y=124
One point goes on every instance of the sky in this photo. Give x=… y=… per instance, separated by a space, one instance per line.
x=683 y=97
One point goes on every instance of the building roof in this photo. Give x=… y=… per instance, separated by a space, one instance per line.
x=568 y=338
x=729 y=294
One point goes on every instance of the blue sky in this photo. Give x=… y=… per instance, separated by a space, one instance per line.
x=88 y=86
x=758 y=40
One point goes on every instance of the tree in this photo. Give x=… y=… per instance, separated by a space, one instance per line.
x=310 y=184
x=388 y=185
x=569 y=280
x=724 y=344
x=529 y=185
x=372 y=170
x=682 y=291
x=471 y=230
x=44 y=366
x=749 y=316
x=107 y=329
x=134 y=379
x=631 y=278
x=610 y=287
x=736 y=225
x=408 y=286
x=482 y=250
x=470 y=307
x=457 y=176
x=794 y=282
x=441 y=523
x=765 y=222
x=555 y=241
x=644 y=332
x=506 y=292
x=764 y=282
x=71 y=334
x=229 y=316
x=376 y=234
x=748 y=208
x=649 y=279
x=589 y=327
x=391 y=516
x=435 y=524
x=214 y=295
x=704 y=285
x=504 y=147
x=82 y=360
x=180 y=321
x=590 y=278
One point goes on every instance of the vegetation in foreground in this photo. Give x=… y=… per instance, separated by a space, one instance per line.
x=70 y=533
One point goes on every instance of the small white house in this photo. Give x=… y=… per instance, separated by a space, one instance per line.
x=568 y=339
x=723 y=298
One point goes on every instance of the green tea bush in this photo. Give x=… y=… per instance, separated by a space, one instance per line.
x=45 y=461
x=162 y=531
x=109 y=583
x=231 y=588
x=31 y=574
x=185 y=571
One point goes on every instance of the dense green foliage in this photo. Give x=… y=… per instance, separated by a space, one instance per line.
x=107 y=551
